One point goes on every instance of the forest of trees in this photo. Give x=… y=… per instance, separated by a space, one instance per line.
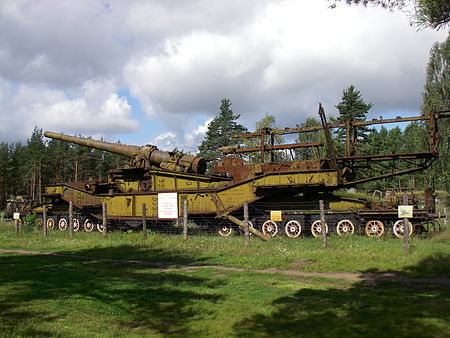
x=26 y=168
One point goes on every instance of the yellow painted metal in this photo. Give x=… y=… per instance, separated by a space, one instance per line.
x=205 y=195
x=275 y=215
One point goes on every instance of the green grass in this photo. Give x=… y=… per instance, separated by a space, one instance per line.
x=42 y=295
x=353 y=254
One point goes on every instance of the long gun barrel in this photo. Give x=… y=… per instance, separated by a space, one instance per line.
x=141 y=157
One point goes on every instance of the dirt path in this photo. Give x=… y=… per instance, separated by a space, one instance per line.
x=369 y=278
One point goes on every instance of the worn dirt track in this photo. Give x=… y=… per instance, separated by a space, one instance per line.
x=363 y=277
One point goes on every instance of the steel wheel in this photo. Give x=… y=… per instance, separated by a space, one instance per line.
x=374 y=228
x=62 y=224
x=345 y=227
x=270 y=228
x=293 y=229
x=88 y=225
x=399 y=228
x=316 y=228
x=76 y=224
x=50 y=223
x=225 y=230
x=100 y=227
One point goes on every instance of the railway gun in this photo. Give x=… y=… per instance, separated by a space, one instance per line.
x=282 y=194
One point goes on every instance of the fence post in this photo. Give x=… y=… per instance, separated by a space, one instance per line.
x=44 y=221
x=144 y=220
x=16 y=222
x=405 y=227
x=247 y=232
x=71 y=219
x=185 y=219
x=322 y=220
x=445 y=219
x=104 y=219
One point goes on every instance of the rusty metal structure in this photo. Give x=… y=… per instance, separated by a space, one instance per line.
x=17 y=204
x=281 y=194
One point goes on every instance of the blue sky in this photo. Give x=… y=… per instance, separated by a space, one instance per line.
x=155 y=71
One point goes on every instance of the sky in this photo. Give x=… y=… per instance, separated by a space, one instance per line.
x=154 y=72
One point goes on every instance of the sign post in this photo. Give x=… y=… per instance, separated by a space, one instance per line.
x=144 y=220
x=44 y=220
x=16 y=217
x=104 y=219
x=71 y=219
x=185 y=219
x=323 y=227
x=405 y=211
x=246 y=230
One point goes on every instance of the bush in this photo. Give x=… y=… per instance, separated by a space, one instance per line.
x=29 y=223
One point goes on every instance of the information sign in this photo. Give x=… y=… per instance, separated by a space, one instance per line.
x=405 y=211
x=168 y=205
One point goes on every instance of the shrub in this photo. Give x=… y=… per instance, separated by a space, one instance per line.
x=29 y=223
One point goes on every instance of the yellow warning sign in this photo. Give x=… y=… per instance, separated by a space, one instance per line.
x=275 y=216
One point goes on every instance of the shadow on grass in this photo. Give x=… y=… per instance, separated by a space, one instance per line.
x=382 y=309
x=131 y=298
x=433 y=266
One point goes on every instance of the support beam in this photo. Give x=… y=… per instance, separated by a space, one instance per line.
x=252 y=230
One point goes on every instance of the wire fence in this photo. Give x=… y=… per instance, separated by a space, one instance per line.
x=293 y=223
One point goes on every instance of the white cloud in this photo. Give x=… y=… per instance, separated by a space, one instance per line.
x=184 y=140
x=291 y=56
x=96 y=111
x=63 y=62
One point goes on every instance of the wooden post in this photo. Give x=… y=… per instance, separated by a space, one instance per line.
x=16 y=222
x=445 y=219
x=405 y=227
x=104 y=219
x=44 y=221
x=71 y=219
x=246 y=230
x=241 y=224
x=322 y=220
x=185 y=219
x=144 y=220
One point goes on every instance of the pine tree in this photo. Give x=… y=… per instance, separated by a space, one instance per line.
x=352 y=108
x=4 y=177
x=34 y=161
x=219 y=132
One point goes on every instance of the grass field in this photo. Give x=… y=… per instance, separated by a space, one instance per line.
x=92 y=289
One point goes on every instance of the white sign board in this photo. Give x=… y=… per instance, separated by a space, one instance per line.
x=168 y=205
x=405 y=211
x=16 y=215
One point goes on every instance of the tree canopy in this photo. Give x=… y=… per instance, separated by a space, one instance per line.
x=424 y=13
x=26 y=168
x=352 y=107
x=219 y=132
x=436 y=96
x=268 y=121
